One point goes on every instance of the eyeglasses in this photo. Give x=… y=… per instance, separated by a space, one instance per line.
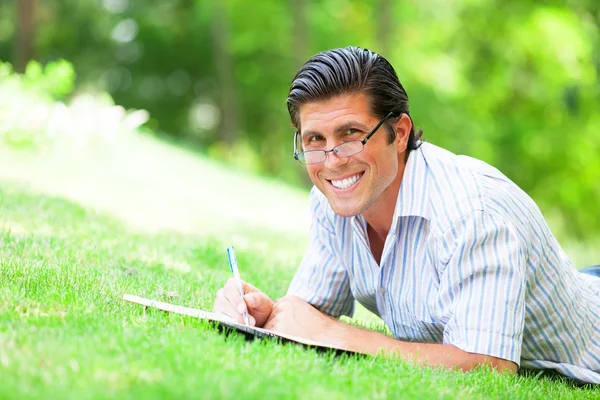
x=345 y=149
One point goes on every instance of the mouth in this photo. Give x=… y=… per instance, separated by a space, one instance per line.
x=346 y=183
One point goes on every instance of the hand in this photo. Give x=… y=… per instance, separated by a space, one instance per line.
x=293 y=316
x=230 y=303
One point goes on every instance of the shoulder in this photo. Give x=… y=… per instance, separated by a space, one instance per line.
x=454 y=186
x=463 y=187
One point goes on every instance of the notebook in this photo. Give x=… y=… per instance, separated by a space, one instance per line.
x=224 y=321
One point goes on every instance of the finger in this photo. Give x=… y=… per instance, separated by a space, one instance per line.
x=258 y=302
x=227 y=310
x=241 y=307
x=218 y=299
x=231 y=287
x=259 y=306
x=232 y=284
x=239 y=316
x=269 y=325
x=249 y=288
x=225 y=307
x=233 y=296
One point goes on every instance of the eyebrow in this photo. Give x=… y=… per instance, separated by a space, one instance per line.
x=344 y=127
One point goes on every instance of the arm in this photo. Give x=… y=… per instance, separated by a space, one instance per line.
x=294 y=316
x=321 y=279
x=431 y=354
x=483 y=285
x=481 y=301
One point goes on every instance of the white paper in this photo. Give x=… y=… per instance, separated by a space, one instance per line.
x=227 y=321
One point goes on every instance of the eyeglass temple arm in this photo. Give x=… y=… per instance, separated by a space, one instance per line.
x=391 y=113
x=296 y=145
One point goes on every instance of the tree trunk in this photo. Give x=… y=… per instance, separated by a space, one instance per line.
x=385 y=20
x=228 y=128
x=24 y=47
x=300 y=32
x=300 y=49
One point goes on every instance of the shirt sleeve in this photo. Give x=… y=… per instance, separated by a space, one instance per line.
x=483 y=286
x=321 y=279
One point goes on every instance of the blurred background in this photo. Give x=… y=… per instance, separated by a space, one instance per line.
x=515 y=84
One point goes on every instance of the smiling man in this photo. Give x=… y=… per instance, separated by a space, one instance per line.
x=453 y=256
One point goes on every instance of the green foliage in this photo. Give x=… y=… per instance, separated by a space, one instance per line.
x=240 y=155
x=513 y=83
x=32 y=116
x=56 y=79
x=16 y=130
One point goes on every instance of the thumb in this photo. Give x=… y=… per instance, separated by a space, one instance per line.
x=258 y=302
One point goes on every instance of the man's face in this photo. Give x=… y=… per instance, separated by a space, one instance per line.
x=352 y=184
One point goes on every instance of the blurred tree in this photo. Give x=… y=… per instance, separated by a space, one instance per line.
x=300 y=32
x=24 y=46
x=513 y=83
x=228 y=129
x=385 y=23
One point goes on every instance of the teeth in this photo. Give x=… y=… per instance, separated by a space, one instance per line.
x=345 y=183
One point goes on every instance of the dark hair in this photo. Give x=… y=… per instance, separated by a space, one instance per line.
x=351 y=70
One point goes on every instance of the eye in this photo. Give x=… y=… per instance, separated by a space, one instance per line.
x=351 y=131
x=315 y=138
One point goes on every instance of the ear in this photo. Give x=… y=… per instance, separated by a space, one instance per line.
x=402 y=126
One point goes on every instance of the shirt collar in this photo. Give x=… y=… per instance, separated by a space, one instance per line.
x=413 y=196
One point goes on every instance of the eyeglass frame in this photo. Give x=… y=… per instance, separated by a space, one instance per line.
x=363 y=141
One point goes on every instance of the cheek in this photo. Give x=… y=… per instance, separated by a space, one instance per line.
x=313 y=174
x=386 y=163
x=312 y=170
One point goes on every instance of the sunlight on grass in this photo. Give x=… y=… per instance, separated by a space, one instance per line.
x=153 y=186
x=150 y=219
x=69 y=335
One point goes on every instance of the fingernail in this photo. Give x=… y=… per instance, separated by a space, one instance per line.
x=251 y=320
x=241 y=308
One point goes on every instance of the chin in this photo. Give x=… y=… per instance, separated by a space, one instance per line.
x=345 y=214
x=345 y=211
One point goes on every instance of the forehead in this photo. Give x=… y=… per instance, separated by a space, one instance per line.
x=324 y=114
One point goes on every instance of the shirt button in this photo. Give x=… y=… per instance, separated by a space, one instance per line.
x=381 y=291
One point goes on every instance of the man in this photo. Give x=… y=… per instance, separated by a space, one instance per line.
x=453 y=256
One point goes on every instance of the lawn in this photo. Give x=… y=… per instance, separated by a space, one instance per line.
x=68 y=251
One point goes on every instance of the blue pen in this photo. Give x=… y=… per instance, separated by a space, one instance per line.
x=236 y=275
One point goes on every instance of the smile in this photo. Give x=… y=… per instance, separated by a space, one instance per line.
x=346 y=183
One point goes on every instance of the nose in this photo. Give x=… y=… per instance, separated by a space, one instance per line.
x=333 y=161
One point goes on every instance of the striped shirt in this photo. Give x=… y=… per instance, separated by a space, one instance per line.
x=469 y=261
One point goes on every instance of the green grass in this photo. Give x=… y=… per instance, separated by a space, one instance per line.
x=68 y=252
x=66 y=333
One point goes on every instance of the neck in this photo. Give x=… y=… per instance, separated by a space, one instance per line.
x=379 y=216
